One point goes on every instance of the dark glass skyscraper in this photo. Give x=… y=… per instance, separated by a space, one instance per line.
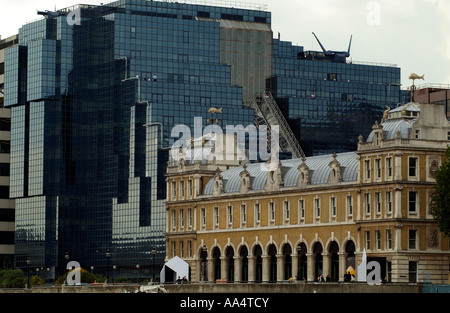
x=94 y=101
x=327 y=100
x=90 y=103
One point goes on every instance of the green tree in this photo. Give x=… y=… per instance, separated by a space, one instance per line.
x=441 y=197
x=12 y=279
x=86 y=277
x=36 y=280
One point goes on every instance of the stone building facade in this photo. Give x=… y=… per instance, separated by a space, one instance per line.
x=237 y=221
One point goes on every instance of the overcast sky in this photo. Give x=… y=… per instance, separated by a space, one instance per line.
x=413 y=34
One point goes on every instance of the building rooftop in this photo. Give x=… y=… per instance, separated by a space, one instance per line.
x=398 y=122
x=319 y=172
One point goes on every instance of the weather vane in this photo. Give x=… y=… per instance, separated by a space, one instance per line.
x=213 y=110
x=413 y=77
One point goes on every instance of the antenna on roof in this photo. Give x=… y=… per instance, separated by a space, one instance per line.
x=337 y=55
x=349 y=45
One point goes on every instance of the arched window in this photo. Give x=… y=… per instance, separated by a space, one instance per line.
x=272 y=252
x=333 y=250
x=244 y=264
x=302 y=262
x=230 y=263
x=258 y=263
x=217 y=268
x=287 y=252
x=318 y=259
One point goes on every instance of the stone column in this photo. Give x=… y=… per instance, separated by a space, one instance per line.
x=223 y=267
x=251 y=268
x=398 y=166
x=342 y=265
x=398 y=202
x=358 y=205
x=398 y=237
x=210 y=269
x=237 y=268
x=200 y=269
x=310 y=258
x=265 y=268
x=280 y=267
x=295 y=266
x=326 y=257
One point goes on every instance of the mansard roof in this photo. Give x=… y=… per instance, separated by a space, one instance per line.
x=398 y=122
x=318 y=168
x=394 y=128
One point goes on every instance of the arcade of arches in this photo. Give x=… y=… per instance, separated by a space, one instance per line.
x=274 y=262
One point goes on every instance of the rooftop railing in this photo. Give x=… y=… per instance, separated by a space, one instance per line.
x=223 y=3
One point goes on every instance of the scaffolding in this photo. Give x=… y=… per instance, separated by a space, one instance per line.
x=268 y=113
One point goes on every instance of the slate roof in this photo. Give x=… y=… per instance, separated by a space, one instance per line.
x=318 y=169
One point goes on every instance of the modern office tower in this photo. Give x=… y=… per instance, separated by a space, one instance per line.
x=327 y=99
x=95 y=92
x=6 y=205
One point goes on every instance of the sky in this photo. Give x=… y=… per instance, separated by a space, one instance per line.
x=411 y=34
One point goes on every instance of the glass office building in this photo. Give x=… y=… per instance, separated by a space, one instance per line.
x=93 y=103
x=330 y=101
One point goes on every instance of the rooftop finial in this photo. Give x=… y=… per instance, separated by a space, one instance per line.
x=413 y=77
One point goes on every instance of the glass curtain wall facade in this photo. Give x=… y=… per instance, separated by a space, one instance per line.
x=7 y=214
x=93 y=106
x=329 y=103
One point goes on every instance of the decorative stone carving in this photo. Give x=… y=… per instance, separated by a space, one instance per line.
x=218 y=186
x=434 y=165
x=433 y=238
x=181 y=164
x=303 y=174
x=274 y=177
x=245 y=179
x=335 y=175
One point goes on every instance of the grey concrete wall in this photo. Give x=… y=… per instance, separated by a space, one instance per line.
x=234 y=288
x=294 y=288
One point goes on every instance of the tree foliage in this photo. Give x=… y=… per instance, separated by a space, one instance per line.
x=441 y=197
x=36 y=280
x=12 y=279
x=86 y=277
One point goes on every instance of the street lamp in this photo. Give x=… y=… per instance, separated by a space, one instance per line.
x=154 y=255
x=137 y=273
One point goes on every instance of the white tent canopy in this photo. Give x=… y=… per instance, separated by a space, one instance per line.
x=173 y=269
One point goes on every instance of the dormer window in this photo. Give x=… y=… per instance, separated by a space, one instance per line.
x=218 y=186
x=274 y=179
x=378 y=133
x=245 y=179
x=335 y=171
x=303 y=175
